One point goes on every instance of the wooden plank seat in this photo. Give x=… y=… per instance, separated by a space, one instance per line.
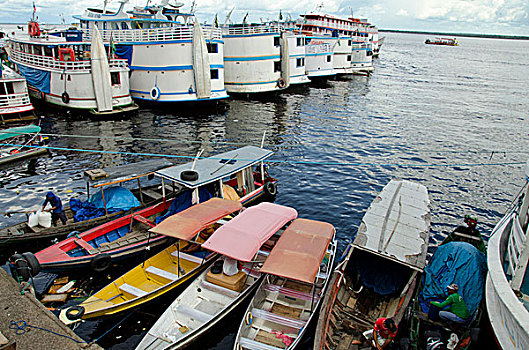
x=291 y=292
x=187 y=257
x=282 y=320
x=193 y=313
x=219 y=289
x=162 y=273
x=84 y=244
x=132 y=290
x=250 y=344
x=152 y=194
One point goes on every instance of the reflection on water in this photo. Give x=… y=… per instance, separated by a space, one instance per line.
x=425 y=106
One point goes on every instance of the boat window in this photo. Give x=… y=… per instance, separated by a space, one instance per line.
x=348 y=58
x=2 y=89
x=214 y=74
x=349 y=43
x=114 y=78
x=277 y=66
x=329 y=57
x=299 y=41
x=276 y=41
x=7 y=88
x=104 y=25
x=212 y=48
x=124 y=26
x=115 y=25
x=48 y=51
x=300 y=62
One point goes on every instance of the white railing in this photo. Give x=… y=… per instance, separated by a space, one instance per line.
x=153 y=34
x=254 y=29
x=50 y=63
x=14 y=100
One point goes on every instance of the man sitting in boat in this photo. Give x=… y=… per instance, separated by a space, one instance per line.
x=470 y=230
x=457 y=311
x=57 y=212
x=382 y=334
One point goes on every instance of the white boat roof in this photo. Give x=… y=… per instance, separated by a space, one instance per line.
x=216 y=167
x=9 y=74
x=397 y=224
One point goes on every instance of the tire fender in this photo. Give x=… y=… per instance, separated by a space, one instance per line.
x=189 y=175
x=155 y=93
x=65 y=97
x=270 y=188
x=75 y=312
x=100 y=262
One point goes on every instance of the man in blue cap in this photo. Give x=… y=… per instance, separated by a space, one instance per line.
x=57 y=212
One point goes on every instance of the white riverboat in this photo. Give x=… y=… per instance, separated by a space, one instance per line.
x=15 y=105
x=71 y=74
x=352 y=50
x=263 y=57
x=172 y=57
x=507 y=289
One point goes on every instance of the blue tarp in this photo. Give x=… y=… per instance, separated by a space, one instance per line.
x=117 y=198
x=455 y=262
x=183 y=201
x=38 y=78
x=125 y=52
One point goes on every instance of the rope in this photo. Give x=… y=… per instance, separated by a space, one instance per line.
x=22 y=326
x=410 y=165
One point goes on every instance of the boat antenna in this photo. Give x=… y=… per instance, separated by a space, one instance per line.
x=193 y=7
x=228 y=16
x=34 y=10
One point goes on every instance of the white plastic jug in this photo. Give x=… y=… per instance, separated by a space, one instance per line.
x=33 y=219
x=44 y=219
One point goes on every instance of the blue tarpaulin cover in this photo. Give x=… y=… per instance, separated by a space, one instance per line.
x=455 y=262
x=38 y=78
x=125 y=52
x=117 y=198
x=183 y=201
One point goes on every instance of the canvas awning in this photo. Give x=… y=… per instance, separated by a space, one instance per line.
x=242 y=237
x=300 y=250
x=187 y=223
x=17 y=131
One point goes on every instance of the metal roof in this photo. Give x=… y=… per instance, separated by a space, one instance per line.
x=127 y=171
x=216 y=167
x=397 y=223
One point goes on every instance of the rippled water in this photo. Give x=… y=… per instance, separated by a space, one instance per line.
x=427 y=114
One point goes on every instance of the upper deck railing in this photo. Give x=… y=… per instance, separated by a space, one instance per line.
x=14 y=100
x=181 y=32
x=253 y=29
x=50 y=63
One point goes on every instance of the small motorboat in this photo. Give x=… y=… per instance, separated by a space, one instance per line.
x=244 y=243
x=298 y=272
x=164 y=271
x=20 y=143
x=379 y=272
x=442 y=41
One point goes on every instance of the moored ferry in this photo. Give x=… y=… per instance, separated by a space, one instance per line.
x=263 y=57
x=172 y=57
x=352 y=50
x=15 y=105
x=71 y=74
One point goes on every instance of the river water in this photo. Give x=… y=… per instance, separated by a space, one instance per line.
x=428 y=114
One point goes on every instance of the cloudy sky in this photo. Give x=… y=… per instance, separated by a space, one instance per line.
x=470 y=16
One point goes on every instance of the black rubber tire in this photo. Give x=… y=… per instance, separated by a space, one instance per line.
x=101 y=262
x=189 y=175
x=75 y=312
x=65 y=97
x=33 y=262
x=270 y=188
x=22 y=268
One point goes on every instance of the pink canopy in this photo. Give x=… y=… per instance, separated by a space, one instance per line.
x=242 y=237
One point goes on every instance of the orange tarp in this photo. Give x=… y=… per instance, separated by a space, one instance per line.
x=300 y=250
x=186 y=224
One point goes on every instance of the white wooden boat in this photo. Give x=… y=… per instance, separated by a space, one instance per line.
x=507 y=288
x=379 y=274
x=61 y=72
x=298 y=271
x=15 y=105
x=214 y=294
x=172 y=57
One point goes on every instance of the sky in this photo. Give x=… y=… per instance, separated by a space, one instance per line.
x=510 y=17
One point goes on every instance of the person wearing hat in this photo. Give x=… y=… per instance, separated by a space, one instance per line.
x=382 y=334
x=57 y=211
x=457 y=311
x=470 y=230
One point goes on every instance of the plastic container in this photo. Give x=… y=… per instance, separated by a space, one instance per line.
x=44 y=219
x=33 y=219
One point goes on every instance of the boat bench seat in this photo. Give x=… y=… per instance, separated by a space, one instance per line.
x=187 y=257
x=291 y=292
x=162 y=273
x=279 y=319
x=247 y=343
x=132 y=290
x=150 y=193
x=194 y=313
x=83 y=244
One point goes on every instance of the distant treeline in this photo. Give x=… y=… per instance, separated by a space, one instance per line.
x=451 y=35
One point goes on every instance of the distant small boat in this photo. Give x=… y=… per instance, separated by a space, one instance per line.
x=378 y=276
x=442 y=41
x=20 y=141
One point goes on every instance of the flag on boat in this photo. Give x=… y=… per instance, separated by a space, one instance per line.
x=112 y=46
x=216 y=21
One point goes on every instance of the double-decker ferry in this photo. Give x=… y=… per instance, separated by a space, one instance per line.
x=351 y=48
x=263 y=57
x=65 y=72
x=172 y=57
